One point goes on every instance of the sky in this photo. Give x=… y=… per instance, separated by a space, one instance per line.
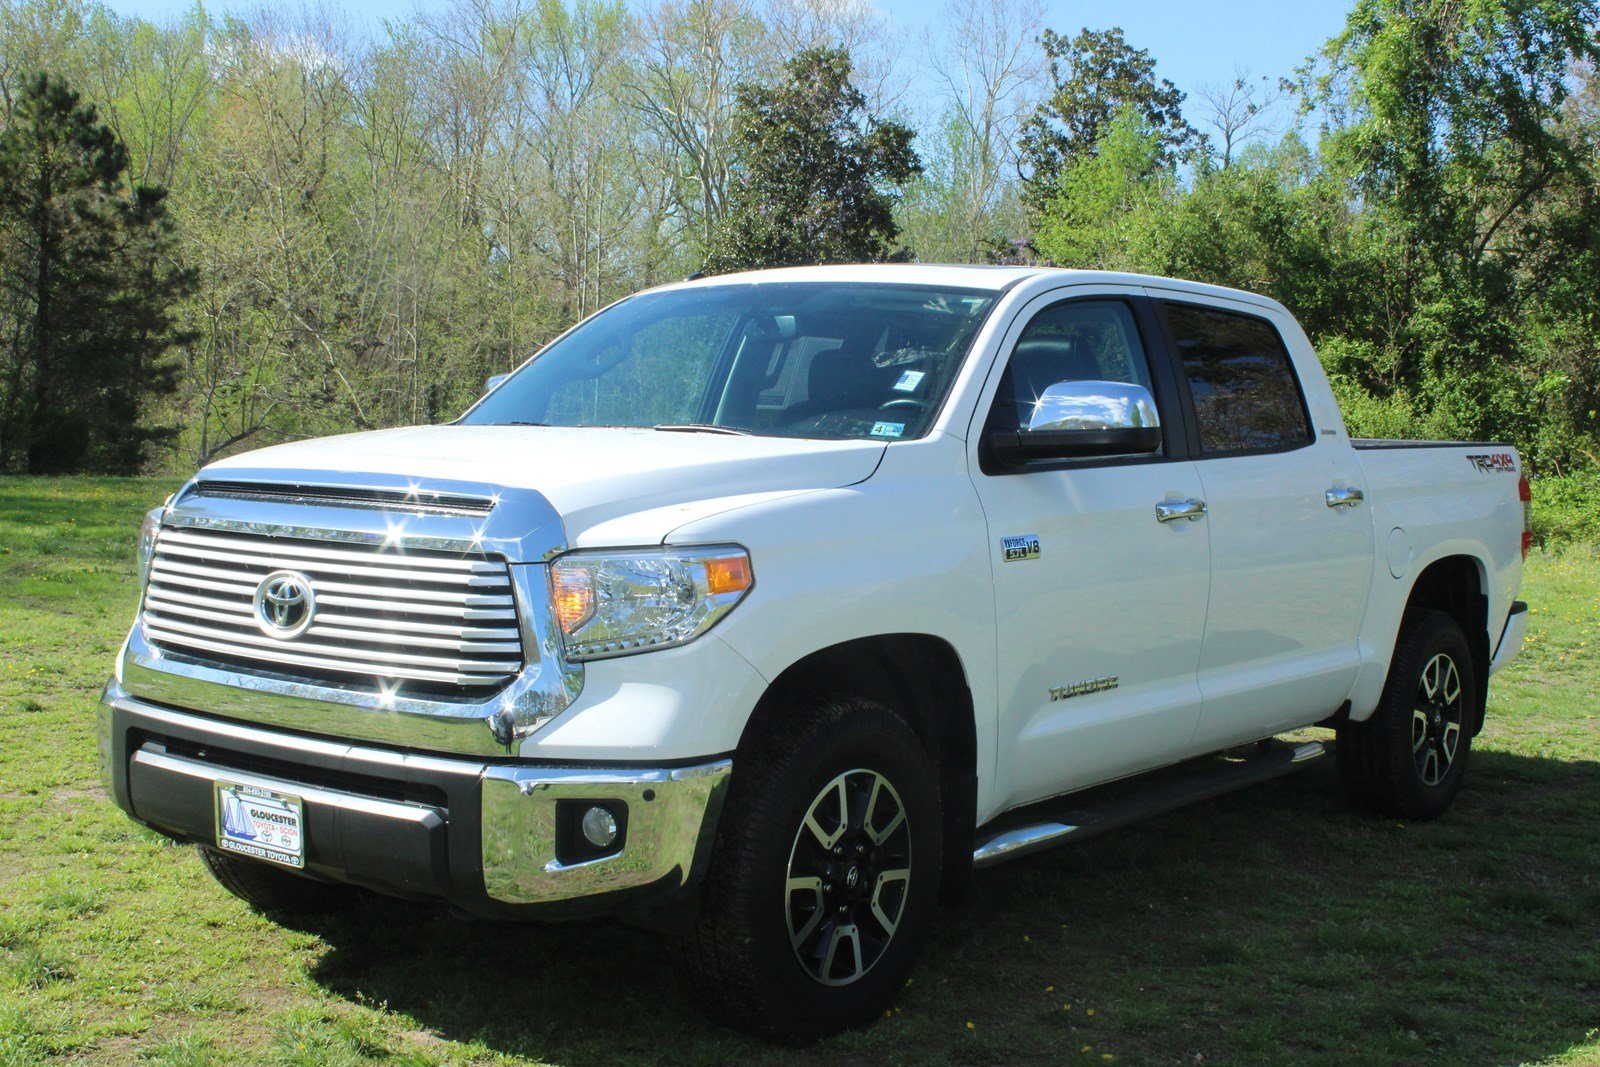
x=1194 y=42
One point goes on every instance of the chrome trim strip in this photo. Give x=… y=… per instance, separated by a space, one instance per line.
x=1019 y=842
x=672 y=816
x=522 y=527
x=388 y=500
x=381 y=759
x=385 y=809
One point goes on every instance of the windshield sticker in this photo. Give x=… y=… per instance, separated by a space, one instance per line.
x=888 y=429
x=909 y=381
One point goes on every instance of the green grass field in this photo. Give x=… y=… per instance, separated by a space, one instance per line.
x=1267 y=927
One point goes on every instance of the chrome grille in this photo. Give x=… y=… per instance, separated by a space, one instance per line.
x=440 y=618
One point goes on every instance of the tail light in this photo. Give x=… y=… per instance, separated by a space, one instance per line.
x=1525 y=494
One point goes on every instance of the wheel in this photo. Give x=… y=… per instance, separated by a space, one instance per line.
x=269 y=889
x=1408 y=759
x=824 y=876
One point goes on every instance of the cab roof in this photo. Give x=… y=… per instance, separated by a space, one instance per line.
x=963 y=276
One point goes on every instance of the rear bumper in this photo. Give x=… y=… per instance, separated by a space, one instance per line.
x=1516 y=629
x=495 y=838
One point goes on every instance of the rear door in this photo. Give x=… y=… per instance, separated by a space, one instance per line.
x=1101 y=606
x=1291 y=535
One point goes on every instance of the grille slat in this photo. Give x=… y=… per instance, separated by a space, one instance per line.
x=391 y=589
x=312 y=566
x=307 y=551
x=381 y=614
x=169 y=605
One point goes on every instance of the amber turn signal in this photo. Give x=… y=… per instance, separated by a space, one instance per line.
x=572 y=595
x=727 y=574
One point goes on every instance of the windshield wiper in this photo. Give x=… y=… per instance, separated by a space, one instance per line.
x=700 y=427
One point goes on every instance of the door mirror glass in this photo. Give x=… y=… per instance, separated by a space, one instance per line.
x=494 y=380
x=1087 y=418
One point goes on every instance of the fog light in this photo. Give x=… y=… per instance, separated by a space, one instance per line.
x=599 y=827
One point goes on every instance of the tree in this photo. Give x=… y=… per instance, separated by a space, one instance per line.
x=1446 y=121
x=1239 y=111
x=817 y=175
x=89 y=282
x=1097 y=217
x=986 y=64
x=1093 y=77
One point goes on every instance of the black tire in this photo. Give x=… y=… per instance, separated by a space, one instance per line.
x=751 y=971
x=267 y=888
x=1407 y=761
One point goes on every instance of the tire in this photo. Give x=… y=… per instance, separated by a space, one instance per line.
x=267 y=888
x=790 y=939
x=1407 y=761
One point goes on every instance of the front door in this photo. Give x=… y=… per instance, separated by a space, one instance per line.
x=1101 y=605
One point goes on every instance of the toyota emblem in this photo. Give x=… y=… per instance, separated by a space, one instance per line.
x=284 y=604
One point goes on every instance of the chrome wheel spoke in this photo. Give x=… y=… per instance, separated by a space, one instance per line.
x=1419 y=730
x=829 y=838
x=869 y=824
x=842 y=933
x=879 y=912
x=1452 y=683
x=814 y=887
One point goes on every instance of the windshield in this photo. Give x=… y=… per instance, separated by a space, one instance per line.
x=798 y=359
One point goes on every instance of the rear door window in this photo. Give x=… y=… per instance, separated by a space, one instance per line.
x=1246 y=397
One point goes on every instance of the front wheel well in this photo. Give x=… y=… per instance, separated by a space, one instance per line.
x=920 y=677
x=1455 y=586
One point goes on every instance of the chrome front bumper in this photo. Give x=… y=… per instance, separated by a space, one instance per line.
x=485 y=836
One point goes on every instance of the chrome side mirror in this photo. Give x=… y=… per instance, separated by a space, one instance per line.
x=494 y=380
x=1079 y=419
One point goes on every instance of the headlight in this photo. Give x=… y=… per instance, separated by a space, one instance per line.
x=148 y=532
x=617 y=603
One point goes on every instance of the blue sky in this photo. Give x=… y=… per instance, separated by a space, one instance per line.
x=1193 y=42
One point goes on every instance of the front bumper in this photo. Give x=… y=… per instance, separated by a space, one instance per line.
x=492 y=838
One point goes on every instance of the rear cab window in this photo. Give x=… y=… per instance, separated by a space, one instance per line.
x=1240 y=380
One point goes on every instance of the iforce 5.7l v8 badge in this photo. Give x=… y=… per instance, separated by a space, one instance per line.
x=1025 y=546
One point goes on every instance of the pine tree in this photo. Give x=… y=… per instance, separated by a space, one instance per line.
x=817 y=176
x=88 y=281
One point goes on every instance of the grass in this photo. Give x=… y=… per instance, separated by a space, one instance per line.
x=1267 y=927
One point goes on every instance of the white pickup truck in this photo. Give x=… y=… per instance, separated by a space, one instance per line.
x=763 y=608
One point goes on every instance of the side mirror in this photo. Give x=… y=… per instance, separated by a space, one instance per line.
x=494 y=380
x=1073 y=420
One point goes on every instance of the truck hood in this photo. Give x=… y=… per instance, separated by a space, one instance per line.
x=609 y=485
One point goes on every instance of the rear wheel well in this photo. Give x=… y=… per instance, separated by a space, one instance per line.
x=921 y=679
x=1455 y=586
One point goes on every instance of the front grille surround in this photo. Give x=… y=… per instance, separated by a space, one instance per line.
x=395 y=618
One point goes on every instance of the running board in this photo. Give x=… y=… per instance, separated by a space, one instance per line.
x=1108 y=807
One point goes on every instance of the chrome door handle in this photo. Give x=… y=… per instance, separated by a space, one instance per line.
x=1344 y=498
x=1170 y=510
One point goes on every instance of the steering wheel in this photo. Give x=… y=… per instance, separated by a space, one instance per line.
x=906 y=401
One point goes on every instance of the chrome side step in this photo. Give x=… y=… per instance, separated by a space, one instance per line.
x=1108 y=807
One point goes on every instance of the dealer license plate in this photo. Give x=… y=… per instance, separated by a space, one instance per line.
x=261 y=823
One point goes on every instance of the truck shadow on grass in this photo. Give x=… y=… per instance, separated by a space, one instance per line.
x=1269 y=926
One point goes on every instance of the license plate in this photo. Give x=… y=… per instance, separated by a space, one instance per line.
x=261 y=823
